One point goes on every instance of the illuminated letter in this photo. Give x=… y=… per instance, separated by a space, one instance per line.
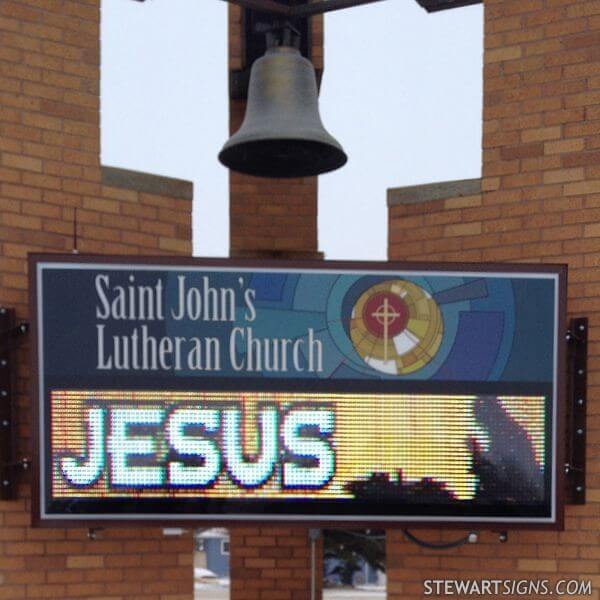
x=122 y=447
x=249 y=296
x=314 y=347
x=203 y=475
x=119 y=304
x=86 y=472
x=296 y=353
x=250 y=474
x=305 y=447
x=100 y=279
x=232 y=349
x=181 y=303
x=102 y=363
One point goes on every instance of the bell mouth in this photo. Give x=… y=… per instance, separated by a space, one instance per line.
x=283 y=158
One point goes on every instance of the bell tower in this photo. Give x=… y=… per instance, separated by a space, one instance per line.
x=271 y=218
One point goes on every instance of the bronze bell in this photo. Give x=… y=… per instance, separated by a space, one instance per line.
x=282 y=134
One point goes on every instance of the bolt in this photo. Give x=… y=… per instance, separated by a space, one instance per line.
x=580 y=372
x=23 y=328
x=3 y=362
x=580 y=432
x=6 y=483
x=2 y=311
x=5 y=423
x=579 y=488
x=4 y=393
x=580 y=401
x=581 y=327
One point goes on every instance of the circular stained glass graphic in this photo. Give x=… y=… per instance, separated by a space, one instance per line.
x=396 y=327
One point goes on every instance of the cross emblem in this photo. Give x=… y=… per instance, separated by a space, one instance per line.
x=385 y=315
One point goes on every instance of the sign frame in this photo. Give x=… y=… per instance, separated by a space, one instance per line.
x=370 y=267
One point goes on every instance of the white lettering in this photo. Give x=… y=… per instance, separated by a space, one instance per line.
x=244 y=472
x=123 y=446
x=105 y=313
x=187 y=446
x=81 y=471
x=308 y=447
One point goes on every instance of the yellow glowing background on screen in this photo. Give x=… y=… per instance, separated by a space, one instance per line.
x=419 y=436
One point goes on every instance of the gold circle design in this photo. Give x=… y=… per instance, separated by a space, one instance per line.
x=374 y=329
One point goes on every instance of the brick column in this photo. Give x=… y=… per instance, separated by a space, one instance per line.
x=540 y=202
x=50 y=165
x=271 y=218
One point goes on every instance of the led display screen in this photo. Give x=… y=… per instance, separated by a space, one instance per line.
x=339 y=393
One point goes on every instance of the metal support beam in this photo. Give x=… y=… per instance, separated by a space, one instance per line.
x=300 y=10
x=437 y=5
x=577 y=338
x=309 y=9
x=317 y=8
x=269 y=6
x=8 y=368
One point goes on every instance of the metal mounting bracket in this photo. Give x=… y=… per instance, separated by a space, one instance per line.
x=10 y=332
x=253 y=25
x=300 y=8
x=577 y=341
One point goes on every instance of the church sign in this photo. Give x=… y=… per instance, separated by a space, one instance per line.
x=220 y=391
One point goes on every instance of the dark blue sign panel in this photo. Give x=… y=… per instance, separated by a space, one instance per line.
x=333 y=392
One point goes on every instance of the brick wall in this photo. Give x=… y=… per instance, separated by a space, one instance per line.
x=273 y=563
x=49 y=166
x=539 y=202
x=271 y=218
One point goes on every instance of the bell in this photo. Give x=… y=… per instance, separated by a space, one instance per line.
x=282 y=134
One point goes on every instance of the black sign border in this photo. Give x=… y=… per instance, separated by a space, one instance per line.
x=83 y=520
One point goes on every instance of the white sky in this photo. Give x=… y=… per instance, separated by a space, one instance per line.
x=402 y=92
